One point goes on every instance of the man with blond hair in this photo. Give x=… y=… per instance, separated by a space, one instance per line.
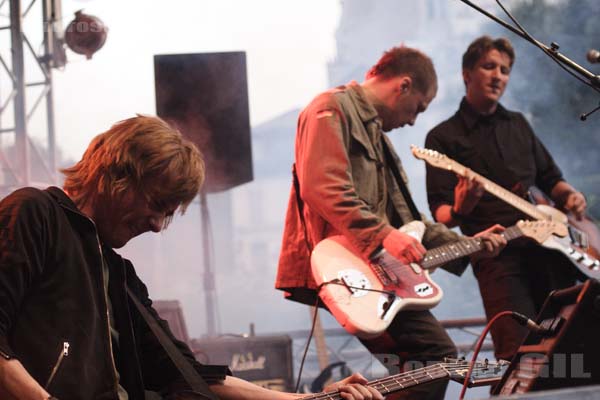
x=62 y=282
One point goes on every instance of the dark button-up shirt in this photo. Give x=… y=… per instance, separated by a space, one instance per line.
x=503 y=148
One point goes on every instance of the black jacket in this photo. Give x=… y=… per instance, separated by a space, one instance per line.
x=51 y=292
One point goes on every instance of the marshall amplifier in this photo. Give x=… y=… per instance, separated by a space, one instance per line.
x=263 y=360
x=566 y=354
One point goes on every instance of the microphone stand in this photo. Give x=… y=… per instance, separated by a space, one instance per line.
x=590 y=78
x=584 y=116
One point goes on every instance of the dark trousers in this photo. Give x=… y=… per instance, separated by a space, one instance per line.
x=519 y=279
x=414 y=339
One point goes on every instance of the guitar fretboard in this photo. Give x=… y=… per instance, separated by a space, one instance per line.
x=441 y=255
x=491 y=187
x=395 y=383
x=420 y=376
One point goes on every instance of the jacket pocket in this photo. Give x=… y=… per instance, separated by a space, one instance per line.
x=367 y=170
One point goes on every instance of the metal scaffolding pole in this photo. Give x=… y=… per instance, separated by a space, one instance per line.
x=50 y=16
x=17 y=161
x=18 y=71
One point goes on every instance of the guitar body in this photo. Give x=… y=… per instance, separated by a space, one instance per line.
x=587 y=225
x=581 y=252
x=357 y=299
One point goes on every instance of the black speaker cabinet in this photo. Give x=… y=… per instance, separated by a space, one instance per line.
x=567 y=354
x=206 y=97
x=264 y=360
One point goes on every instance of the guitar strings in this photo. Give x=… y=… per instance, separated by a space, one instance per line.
x=406 y=379
x=396 y=266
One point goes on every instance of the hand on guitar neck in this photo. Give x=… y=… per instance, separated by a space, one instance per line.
x=492 y=241
x=404 y=247
x=354 y=387
x=467 y=193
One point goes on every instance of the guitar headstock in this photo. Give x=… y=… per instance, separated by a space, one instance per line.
x=432 y=157
x=539 y=230
x=484 y=372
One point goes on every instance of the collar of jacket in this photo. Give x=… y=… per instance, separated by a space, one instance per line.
x=61 y=198
x=66 y=203
x=365 y=109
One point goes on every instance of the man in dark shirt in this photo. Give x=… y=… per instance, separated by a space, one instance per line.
x=62 y=284
x=500 y=145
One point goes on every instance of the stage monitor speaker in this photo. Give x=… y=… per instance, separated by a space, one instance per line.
x=205 y=96
x=566 y=355
x=263 y=360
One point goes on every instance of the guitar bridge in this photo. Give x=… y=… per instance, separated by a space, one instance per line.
x=380 y=272
x=383 y=268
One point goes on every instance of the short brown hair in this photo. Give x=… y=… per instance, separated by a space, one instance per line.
x=480 y=46
x=144 y=154
x=406 y=61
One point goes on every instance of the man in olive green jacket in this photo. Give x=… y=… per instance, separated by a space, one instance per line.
x=342 y=185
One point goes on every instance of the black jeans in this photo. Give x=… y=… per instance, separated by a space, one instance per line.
x=519 y=279
x=414 y=339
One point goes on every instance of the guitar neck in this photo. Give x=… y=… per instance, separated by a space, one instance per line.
x=441 y=255
x=498 y=191
x=395 y=383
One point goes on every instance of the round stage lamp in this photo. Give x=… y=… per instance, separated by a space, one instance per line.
x=86 y=34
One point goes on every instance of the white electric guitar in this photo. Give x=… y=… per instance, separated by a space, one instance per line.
x=365 y=296
x=579 y=240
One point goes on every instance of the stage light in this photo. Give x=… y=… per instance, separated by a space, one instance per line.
x=86 y=34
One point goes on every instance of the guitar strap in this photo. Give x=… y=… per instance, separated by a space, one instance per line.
x=391 y=162
x=191 y=376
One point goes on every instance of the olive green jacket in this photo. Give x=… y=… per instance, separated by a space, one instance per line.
x=343 y=186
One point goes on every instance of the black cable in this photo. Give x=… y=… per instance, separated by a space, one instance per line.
x=528 y=323
x=314 y=321
x=537 y=44
x=310 y=335
x=344 y=284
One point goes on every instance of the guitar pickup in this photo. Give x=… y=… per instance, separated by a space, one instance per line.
x=578 y=237
x=575 y=255
x=386 y=263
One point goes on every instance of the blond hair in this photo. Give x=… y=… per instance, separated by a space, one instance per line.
x=144 y=154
